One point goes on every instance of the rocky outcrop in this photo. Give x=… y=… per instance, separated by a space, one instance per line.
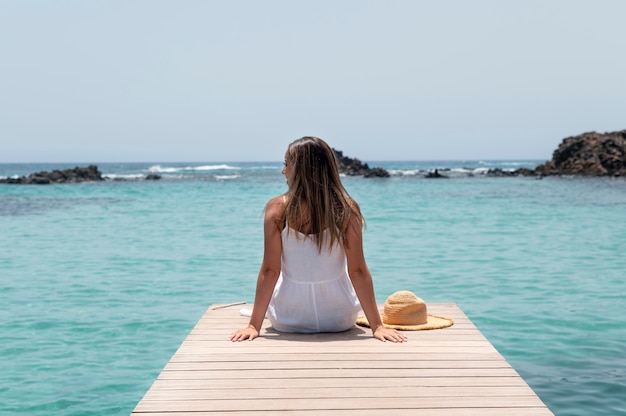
x=435 y=175
x=588 y=154
x=354 y=167
x=517 y=172
x=76 y=175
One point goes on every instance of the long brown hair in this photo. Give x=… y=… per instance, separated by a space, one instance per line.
x=316 y=199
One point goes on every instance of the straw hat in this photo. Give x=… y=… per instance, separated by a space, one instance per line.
x=405 y=311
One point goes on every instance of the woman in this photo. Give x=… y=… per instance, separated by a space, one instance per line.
x=313 y=277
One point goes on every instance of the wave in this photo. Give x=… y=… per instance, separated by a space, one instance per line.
x=481 y=171
x=452 y=172
x=161 y=169
x=226 y=177
x=127 y=177
x=405 y=172
x=141 y=176
x=214 y=167
x=516 y=163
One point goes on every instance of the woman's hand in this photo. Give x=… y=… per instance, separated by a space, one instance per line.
x=249 y=333
x=387 y=334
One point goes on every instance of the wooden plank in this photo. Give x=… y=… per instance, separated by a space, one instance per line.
x=195 y=347
x=370 y=382
x=328 y=364
x=312 y=374
x=526 y=411
x=273 y=405
x=451 y=371
x=407 y=358
x=271 y=392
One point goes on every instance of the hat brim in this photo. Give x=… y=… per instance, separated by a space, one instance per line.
x=433 y=322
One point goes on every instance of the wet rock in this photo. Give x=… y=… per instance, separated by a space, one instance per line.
x=589 y=154
x=435 y=175
x=354 y=167
x=76 y=175
x=517 y=172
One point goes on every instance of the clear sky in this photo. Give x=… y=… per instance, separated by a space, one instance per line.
x=200 y=80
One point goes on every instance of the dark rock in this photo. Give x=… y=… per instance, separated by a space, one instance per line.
x=377 y=173
x=76 y=175
x=435 y=175
x=518 y=172
x=354 y=167
x=589 y=154
x=153 y=177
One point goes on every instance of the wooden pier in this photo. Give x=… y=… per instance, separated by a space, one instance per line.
x=450 y=371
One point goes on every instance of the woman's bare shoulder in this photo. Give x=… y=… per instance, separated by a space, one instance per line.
x=354 y=207
x=353 y=204
x=276 y=202
x=275 y=206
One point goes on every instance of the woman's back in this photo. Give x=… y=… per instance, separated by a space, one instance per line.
x=301 y=261
x=314 y=292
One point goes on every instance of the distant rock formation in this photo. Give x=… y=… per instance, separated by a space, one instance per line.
x=76 y=175
x=354 y=167
x=517 y=172
x=588 y=154
x=435 y=175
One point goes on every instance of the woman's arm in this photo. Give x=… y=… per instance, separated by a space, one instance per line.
x=269 y=272
x=362 y=281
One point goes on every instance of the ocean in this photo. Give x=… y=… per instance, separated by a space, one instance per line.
x=100 y=282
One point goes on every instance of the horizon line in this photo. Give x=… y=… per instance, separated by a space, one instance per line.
x=266 y=161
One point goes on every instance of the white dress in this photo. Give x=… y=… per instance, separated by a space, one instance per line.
x=313 y=292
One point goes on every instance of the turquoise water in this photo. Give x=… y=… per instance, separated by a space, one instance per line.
x=101 y=282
